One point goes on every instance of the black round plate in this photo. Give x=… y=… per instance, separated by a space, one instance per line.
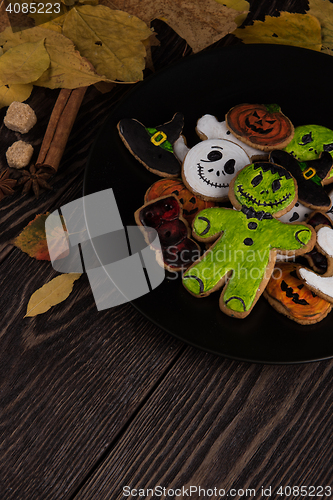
x=212 y=82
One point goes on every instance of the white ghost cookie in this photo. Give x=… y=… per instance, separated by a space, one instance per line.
x=298 y=213
x=209 y=167
x=208 y=127
x=322 y=285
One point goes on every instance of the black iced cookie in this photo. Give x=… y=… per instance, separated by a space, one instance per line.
x=153 y=146
x=310 y=175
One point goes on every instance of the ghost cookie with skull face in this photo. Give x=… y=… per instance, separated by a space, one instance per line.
x=322 y=285
x=261 y=126
x=208 y=127
x=209 y=167
x=248 y=238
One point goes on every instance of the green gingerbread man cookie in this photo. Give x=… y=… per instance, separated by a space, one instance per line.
x=243 y=256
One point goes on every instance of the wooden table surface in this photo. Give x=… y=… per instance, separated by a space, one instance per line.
x=95 y=404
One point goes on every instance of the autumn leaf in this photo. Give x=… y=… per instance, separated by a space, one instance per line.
x=24 y=63
x=235 y=4
x=32 y=240
x=241 y=5
x=323 y=11
x=301 y=30
x=200 y=23
x=10 y=93
x=43 y=14
x=67 y=68
x=51 y=294
x=110 y=39
x=54 y=24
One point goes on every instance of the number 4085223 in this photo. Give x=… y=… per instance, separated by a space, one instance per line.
x=33 y=8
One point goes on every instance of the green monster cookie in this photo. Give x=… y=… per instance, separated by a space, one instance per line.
x=309 y=142
x=243 y=256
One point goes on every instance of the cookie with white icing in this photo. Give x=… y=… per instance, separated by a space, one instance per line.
x=322 y=285
x=208 y=127
x=316 y=259
x=299 y=213
x=209 y=167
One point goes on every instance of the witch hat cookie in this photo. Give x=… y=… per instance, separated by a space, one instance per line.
x=310 y=175
x=153 y=146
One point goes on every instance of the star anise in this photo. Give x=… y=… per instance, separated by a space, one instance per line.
x=6 y=184
x=34 y=179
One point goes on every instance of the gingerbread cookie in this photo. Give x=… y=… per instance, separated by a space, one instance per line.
x=311 y=176
x=208 y=127
x=310 y=141
x=322 y=285
x=244 y=255
x=261 y=126
x=299 y=213
x=329 y=212
x=191 y=204
x=209 y=167
x=316 y=259
x=153 y=146
x=165 y=216
x=287 y=293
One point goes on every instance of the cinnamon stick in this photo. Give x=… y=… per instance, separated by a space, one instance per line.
x=59 y=127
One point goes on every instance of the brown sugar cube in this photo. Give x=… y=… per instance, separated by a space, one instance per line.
x=20 y=117
x=19 y=154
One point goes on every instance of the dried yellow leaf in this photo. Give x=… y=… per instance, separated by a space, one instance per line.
x=323 y=11
x=24 y=63
x=199 y=22
x=11 y=93
x=51 y=294
x=240 y=5
x=54 y=24
x=110 y=39
x=67 y=68
x=43 y=14
x=301 y=30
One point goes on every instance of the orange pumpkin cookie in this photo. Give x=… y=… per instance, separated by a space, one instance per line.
x=261 y=126
x=287 y=293
x=191 y=204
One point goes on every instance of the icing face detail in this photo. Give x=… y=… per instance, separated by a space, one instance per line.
x=263 y=125
x=209 y=167
x=265 y=186
x=309 y=141
x=299 y=213
x=297 y=301
x=191 y=204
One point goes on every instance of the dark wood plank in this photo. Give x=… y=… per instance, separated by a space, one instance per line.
x=219 y=423
x=70 y=380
